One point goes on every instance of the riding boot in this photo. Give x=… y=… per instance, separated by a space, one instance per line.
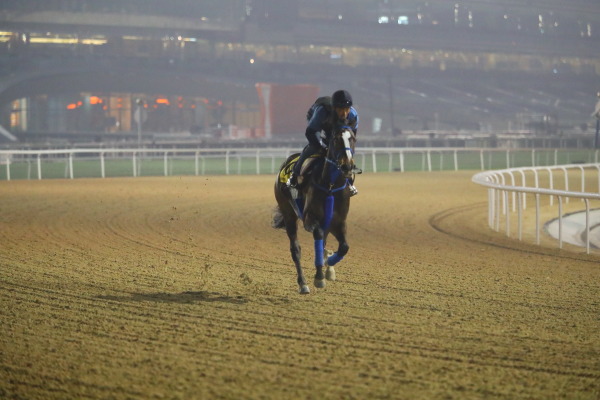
x=308 y=151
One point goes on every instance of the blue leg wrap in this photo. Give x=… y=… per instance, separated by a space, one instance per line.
x=334 y=259
x=319 y=253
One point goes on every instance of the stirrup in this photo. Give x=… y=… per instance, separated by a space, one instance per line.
x=353 y=190
x=292 y=182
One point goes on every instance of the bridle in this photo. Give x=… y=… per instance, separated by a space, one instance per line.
x=343 y=157
x=340 y=159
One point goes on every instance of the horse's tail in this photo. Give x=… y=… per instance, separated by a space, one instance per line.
x=278 y=222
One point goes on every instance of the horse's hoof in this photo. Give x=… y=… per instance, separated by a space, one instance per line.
x=304 y=289
x=319 y=283
x=330 y=273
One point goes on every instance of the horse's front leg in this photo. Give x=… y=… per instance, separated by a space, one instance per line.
x=343 y=247
x=319 y=236
x=295 y=250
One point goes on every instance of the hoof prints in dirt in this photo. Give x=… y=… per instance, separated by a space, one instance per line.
x=166 y=288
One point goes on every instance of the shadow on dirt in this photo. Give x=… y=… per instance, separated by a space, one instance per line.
x=184 y=297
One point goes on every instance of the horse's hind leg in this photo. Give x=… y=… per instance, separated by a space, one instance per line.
x=295 y=250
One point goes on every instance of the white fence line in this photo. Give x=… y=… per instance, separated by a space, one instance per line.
x=499 y=190
x=448 y=158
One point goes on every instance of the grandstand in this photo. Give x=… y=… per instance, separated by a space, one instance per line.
x=73 y=70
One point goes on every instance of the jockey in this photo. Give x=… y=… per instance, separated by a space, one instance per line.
x=324 y=119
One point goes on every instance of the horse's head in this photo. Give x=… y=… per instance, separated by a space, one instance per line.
x=341 y=150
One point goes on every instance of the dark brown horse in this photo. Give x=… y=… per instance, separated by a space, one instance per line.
x=322 y=203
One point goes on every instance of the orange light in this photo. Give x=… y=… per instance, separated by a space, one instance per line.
x=95 y=100
x=162 y=100
x=72 y=106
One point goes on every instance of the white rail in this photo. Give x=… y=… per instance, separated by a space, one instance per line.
x=502 y=187
x=375 y=159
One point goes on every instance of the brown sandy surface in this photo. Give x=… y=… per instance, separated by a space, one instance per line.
x=178 y=288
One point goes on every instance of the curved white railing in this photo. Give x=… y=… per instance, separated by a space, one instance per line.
x=503 y=189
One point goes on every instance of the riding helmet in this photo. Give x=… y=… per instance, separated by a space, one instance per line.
x=341 y=99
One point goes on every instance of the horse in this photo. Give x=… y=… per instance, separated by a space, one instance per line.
x=322 y=202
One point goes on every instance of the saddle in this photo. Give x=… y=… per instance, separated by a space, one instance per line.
x=305 y=170
x=296 y=197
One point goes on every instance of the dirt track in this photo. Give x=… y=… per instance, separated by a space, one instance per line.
x=178 y=288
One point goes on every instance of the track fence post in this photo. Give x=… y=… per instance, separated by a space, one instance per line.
x=70 y=165
x=481 y=162
x=227 y=162
x=429 y=160
x=401 y=161
x=8 y=167
x=166 y=163
x=374 y=161
x=257 y=161
x=456 y=160
x=135 y=174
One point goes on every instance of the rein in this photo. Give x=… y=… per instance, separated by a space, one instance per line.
x=330 y=189
x=334 y=174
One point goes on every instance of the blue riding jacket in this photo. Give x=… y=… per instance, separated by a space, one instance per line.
x=324 y=120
